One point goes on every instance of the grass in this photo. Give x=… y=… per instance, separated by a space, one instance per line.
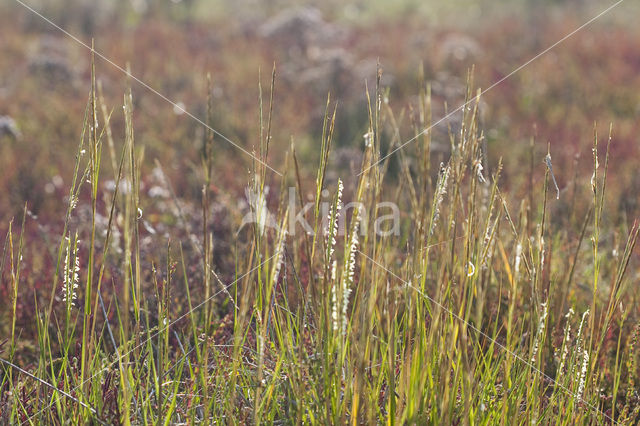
x=468 y=315
x=500 y=300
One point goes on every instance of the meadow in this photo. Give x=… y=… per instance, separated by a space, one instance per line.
x=262 y=213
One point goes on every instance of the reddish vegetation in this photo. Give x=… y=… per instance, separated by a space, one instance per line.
x=593 y=76
x=44 y=82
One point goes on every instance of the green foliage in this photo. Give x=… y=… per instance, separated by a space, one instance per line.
x=500 y=299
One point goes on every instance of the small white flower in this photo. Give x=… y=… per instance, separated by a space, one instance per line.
x=479 y=169
x=539 y=334
x=565 y=341
x=518 y=258
x=335 y=214
x=583 y=375
x=71 y=270
x=279 y=256
x=579 y=335
x=340 y=305
x=368 y=139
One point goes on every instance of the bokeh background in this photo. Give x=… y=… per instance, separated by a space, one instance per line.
x=317 y=48
x=590 y=80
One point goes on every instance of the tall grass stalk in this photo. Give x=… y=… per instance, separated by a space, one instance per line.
x=475 y=312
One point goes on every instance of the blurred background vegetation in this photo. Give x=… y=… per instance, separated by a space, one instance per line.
x=335 y=48
x=317 y=48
